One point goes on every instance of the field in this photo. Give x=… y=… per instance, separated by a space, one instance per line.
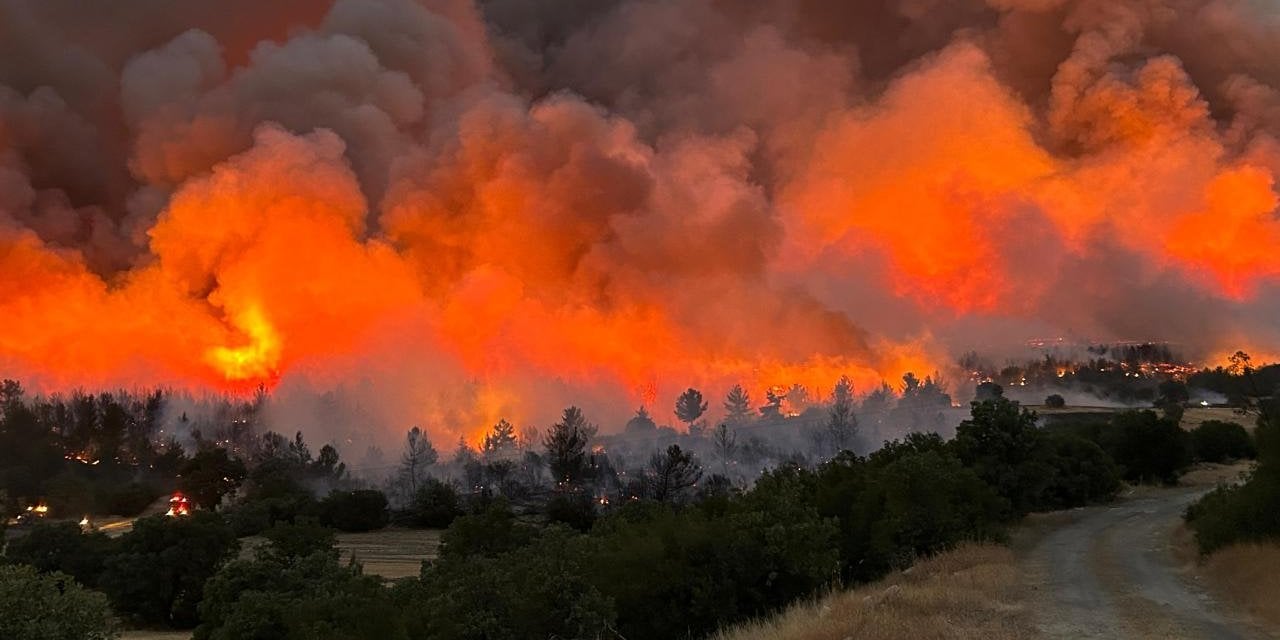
x=389 y=553
x=972 y=592
x=1248 y=575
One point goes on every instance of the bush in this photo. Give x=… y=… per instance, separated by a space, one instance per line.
x=312 y=597
x=35 y=606
x=300 y=539
x=434 y=506
x=575 y=509
x=922 y=504
x=62 y=546
x=1217 y=441
x=1230 y=514
x=1148 y=448
x=540 y=591
x=1082 y=473
x=354 y=511
x=158 y=574
x=1002 y=445
x=1055 y=401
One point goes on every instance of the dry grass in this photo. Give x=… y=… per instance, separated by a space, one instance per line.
x=972 y=592
x=1195 y=416
x=156 y=635
x=391 y=553
x=1248 y=577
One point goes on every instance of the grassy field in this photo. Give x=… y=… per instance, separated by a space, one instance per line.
x=1247 y=575
x=972 y=592
x=390 y=553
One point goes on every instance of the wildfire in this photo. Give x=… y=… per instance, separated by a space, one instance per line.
x=254 y=361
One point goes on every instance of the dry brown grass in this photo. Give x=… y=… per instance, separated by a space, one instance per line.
x=156 y=635
x=1248 y=577
x=1195 y=416
x=972 y=592
x=391 y=553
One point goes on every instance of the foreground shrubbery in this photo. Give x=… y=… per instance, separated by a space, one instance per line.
x=1249 y=511
x=1217 y=441
x=50 y=606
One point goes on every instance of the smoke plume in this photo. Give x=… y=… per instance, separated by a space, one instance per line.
x=454 y=211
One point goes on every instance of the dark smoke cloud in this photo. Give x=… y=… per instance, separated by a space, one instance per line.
x=621 y=198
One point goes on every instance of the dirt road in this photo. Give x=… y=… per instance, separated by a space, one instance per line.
x=1112 y=572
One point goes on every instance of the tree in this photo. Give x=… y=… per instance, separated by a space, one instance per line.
x=1218 y=441
x=210 y=475
x=999 y=443
x=418 y=455
x=1055 y=401
x=642 y=422
x=62 y=547
x=725 y=442
x=500 y=441
x=670 y=474
x=159 y=573
x=988 y=390
x=52 y=606
x=566 y=445
x=1148 y=447
x=689 y=407
x=354 y=511
x=435 y=505
x=297 y=597
x=737 y=406
x=843 y=425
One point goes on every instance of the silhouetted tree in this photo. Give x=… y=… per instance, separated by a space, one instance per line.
x=670 y=474
x=690 y=407
x=843 y=425
x=566 y=446
x=1055 y=401
x=988 y=390
x=210 y=475
x=737 y=406
x=725 y=442
x=642 y=422
x=418 y=455
x=500 y=441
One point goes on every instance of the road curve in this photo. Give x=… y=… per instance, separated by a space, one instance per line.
x=1111 y=572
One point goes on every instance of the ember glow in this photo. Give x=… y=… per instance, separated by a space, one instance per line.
x=473 y=210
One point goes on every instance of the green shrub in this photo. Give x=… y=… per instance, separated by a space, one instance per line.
x=158 y=573
x=36 y=606
x=297 y=598
x=435 y=505
x=1230 y=514
x=62 y=546
x=1218 y=441
x=1148 y=448
x=354 y=511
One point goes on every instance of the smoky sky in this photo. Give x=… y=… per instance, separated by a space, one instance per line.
x=492 y=208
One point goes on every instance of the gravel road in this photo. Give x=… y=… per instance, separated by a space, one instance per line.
x=1112 y=572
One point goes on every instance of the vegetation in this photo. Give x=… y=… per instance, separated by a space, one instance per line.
x=566 y=533
x=1250 y=511
x=51 y=606
x=1217 y=441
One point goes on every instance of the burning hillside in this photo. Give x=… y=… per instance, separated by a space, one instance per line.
x=472 y=210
